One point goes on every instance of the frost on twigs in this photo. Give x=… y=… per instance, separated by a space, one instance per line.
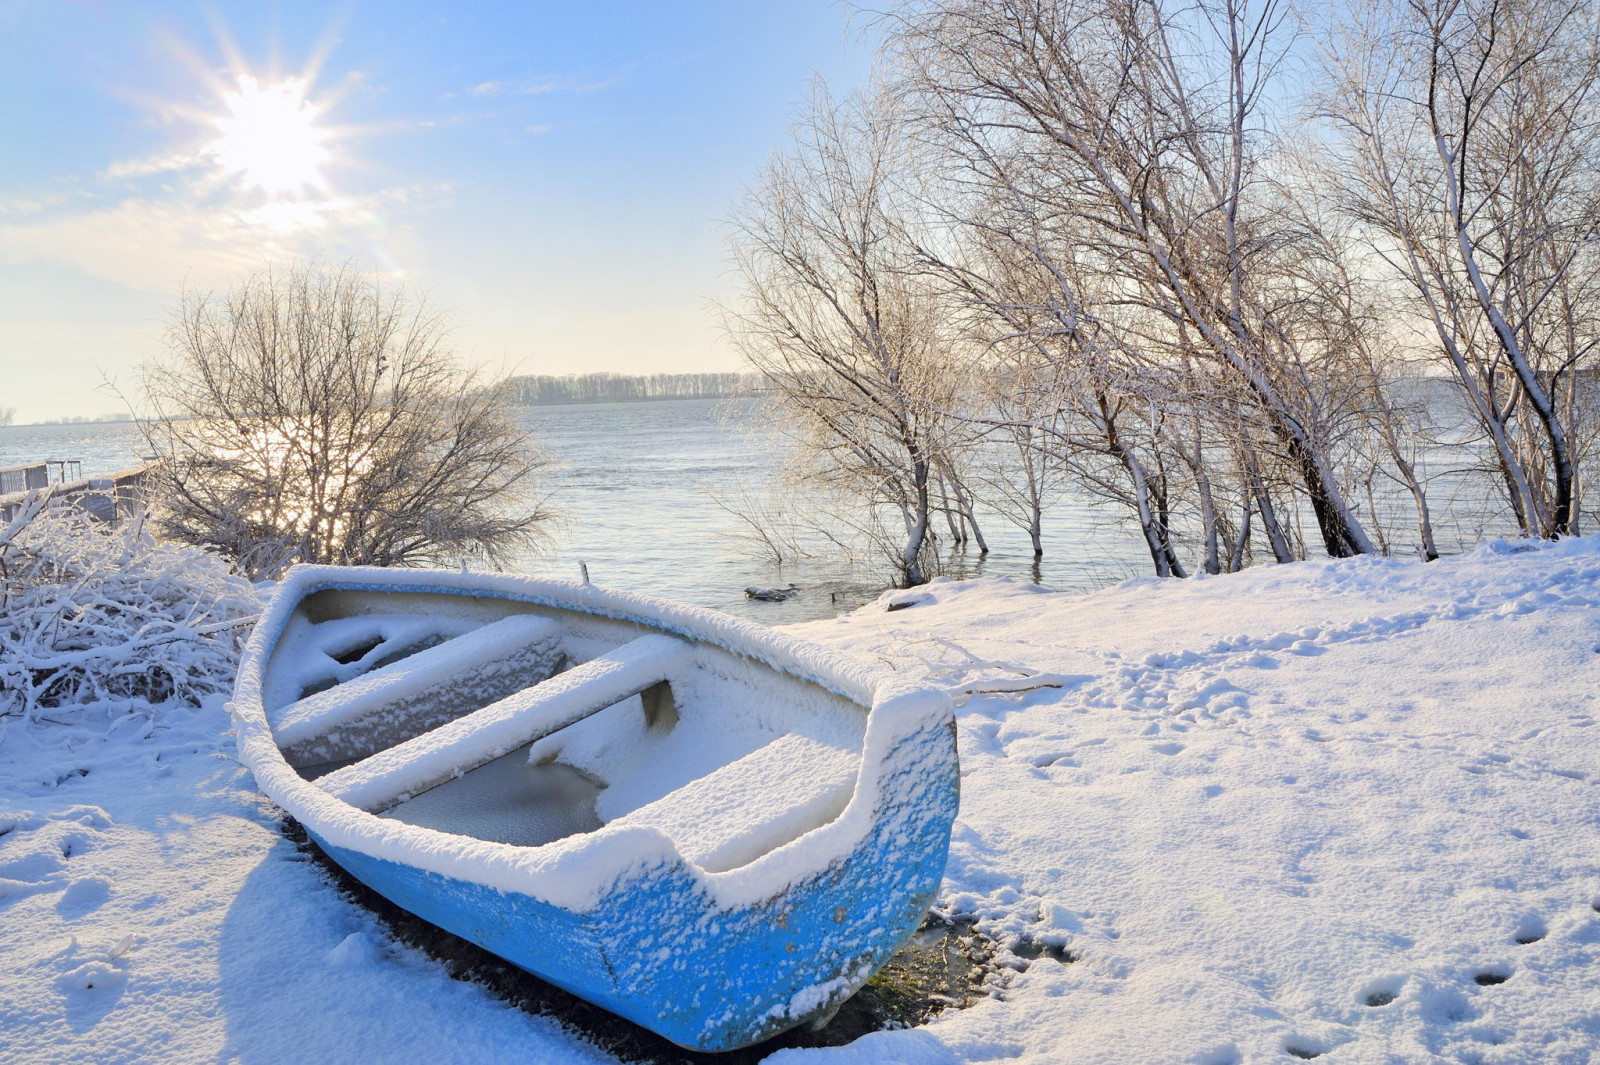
x=103 y=618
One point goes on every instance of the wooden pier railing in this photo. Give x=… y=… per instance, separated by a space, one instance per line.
x=110 y=499
x=14 y=479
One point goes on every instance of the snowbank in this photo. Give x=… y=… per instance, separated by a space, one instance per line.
x=1309 y=810
x=1344 y=809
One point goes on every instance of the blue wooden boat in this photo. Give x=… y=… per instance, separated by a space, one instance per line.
x=712 y=829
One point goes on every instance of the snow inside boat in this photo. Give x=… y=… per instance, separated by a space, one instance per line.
x=710 y=828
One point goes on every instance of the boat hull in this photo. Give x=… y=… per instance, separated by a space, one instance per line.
x=659 y=951
x=710 y=961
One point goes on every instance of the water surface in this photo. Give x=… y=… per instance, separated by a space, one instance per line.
x=637 y=486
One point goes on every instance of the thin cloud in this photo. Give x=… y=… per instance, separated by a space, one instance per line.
x=139 y=243
x=164 y=245
x=512 y=88
x=173 y=162
x=539 y=86
x=26 y=207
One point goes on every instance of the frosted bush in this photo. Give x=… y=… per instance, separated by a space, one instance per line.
x=104 y=618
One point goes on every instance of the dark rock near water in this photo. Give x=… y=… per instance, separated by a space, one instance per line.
x=906 y=602
x=771 y=595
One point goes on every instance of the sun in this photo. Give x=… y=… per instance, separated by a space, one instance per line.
x=270 y=137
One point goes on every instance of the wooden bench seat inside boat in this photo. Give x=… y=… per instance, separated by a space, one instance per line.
x=737 y=813
x=418 y=692
x=471 y=775
x=458 y=747
x=721 y=821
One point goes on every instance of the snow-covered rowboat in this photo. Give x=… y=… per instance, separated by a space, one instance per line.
x=712 y=829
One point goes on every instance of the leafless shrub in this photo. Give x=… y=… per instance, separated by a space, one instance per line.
x=100 y=615
x=314 y=415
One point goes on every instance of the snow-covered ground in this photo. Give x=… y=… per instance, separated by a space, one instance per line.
x=1342 y=809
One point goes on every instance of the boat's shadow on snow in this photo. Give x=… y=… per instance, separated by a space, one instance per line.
x=946 y=965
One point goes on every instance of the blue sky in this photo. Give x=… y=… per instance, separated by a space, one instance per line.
x=554 y=173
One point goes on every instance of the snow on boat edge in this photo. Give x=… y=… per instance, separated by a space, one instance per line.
x=738 y=941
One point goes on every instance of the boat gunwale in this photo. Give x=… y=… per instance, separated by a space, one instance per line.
x=575 y=872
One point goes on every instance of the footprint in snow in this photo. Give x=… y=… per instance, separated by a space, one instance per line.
x=31 y=874
x=83 y=897
x=1382 y=991
x=1026 y=950
x=73 y=844
x=1530 y=929
x=92 y=981
x=1445 y=1005
x=35 y=849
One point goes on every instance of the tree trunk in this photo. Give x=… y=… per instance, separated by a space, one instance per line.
x=1269 y=519
x=1242 y=541
x=1208 y=517
x=1152 y=526
x=964 y=501
x=916 y=528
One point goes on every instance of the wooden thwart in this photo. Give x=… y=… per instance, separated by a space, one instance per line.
x=412 y=767
x=500 y=658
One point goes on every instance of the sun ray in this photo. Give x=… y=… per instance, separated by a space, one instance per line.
x=332 y=33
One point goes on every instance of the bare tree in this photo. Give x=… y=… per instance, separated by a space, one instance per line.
x=1141 y=122
x=853 y=345
x=1069 y=389
x=1026 y=474
x=7 y=415
x=1083 y=399
x=1473 y=126
x=314 y=415
x=1373 y=366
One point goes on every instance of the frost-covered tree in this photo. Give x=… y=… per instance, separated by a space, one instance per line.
x=316 y=415
x=1142 y=124
x=1070 y=396
x=1471 y=127
x=853 y=345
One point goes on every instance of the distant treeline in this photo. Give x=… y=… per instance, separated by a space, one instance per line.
x=8 y=416
x=536 y=391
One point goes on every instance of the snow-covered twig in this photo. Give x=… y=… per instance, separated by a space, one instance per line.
x=103 y=617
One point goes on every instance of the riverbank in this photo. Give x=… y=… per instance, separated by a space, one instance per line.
x=1335 y=809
